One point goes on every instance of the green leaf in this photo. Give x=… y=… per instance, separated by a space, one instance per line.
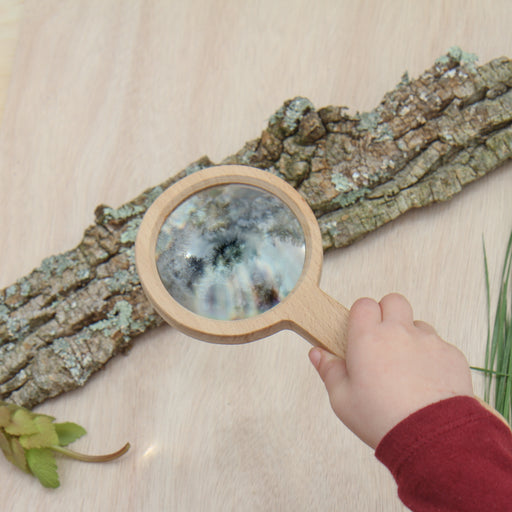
x=21 y=423
x=19 y=458
x=11 y=407
x=13 y=451
x=68 y=432
x=45 y=437
x=5 y=446
x=41 y=462
x=5 y=416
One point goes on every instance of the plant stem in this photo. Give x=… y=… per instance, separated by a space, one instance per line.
x=91 y=458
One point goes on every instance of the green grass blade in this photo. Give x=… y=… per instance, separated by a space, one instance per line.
x=489 y=364
x=498 y=351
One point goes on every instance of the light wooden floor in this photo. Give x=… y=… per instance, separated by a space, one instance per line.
x=106 y=98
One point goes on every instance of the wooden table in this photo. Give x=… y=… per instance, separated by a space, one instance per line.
x=11 y=13
x=107 y=98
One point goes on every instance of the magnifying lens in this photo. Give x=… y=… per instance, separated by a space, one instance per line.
x=232 y=254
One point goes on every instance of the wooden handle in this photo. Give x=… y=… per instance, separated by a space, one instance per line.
x=321 y=320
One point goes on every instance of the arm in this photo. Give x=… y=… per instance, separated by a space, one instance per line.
x=452 y=455
x=409 y=394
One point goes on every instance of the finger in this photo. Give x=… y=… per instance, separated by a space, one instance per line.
x=395 y=307
x=332 y=370
x=365 y=314
x=425 y=327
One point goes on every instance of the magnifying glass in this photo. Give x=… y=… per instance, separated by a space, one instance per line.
x=232 y=254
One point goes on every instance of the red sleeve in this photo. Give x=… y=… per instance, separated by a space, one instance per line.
x=453 y=455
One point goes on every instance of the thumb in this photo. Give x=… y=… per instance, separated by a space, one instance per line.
x=333 y=372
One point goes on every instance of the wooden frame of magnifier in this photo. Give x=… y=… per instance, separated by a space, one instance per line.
x=307 y=310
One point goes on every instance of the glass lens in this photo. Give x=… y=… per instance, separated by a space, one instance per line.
x=230 y=252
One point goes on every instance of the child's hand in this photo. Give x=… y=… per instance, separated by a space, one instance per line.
x=394 y=367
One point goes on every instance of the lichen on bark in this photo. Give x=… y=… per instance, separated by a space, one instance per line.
x=424 y=142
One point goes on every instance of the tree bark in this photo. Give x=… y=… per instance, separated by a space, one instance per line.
x=423 y=143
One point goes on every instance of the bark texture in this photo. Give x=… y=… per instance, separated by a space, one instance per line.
x=427 y=139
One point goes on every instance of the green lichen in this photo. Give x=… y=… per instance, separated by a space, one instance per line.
x=79 y=368
x=16 y=327
x=62 y=348
x=288 y=117
x=125 y=212
x=121 y=281
x=384 y=132
x=129 y=252
x=342 y=183
x=405 y=79
x=461 y=56
x=118 y=319
x=368 y=121
x=57 y=264
x=349 y=191
x=292 y=170
x=83 y=274
x=349 y=198
x=501 y=144
x=4 y=313
x=247 y=155
x=11 y=291
x=25 y=289
x=458 y=55
x=128 y=210
x=153 y=194
x=194 y=167
x=129 y=233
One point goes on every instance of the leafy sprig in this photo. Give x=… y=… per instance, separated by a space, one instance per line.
x=30 y=441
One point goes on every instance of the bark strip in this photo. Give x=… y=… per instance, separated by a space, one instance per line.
x=422 y=144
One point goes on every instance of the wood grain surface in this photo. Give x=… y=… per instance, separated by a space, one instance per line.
x=107 y=98
x=11 y=13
